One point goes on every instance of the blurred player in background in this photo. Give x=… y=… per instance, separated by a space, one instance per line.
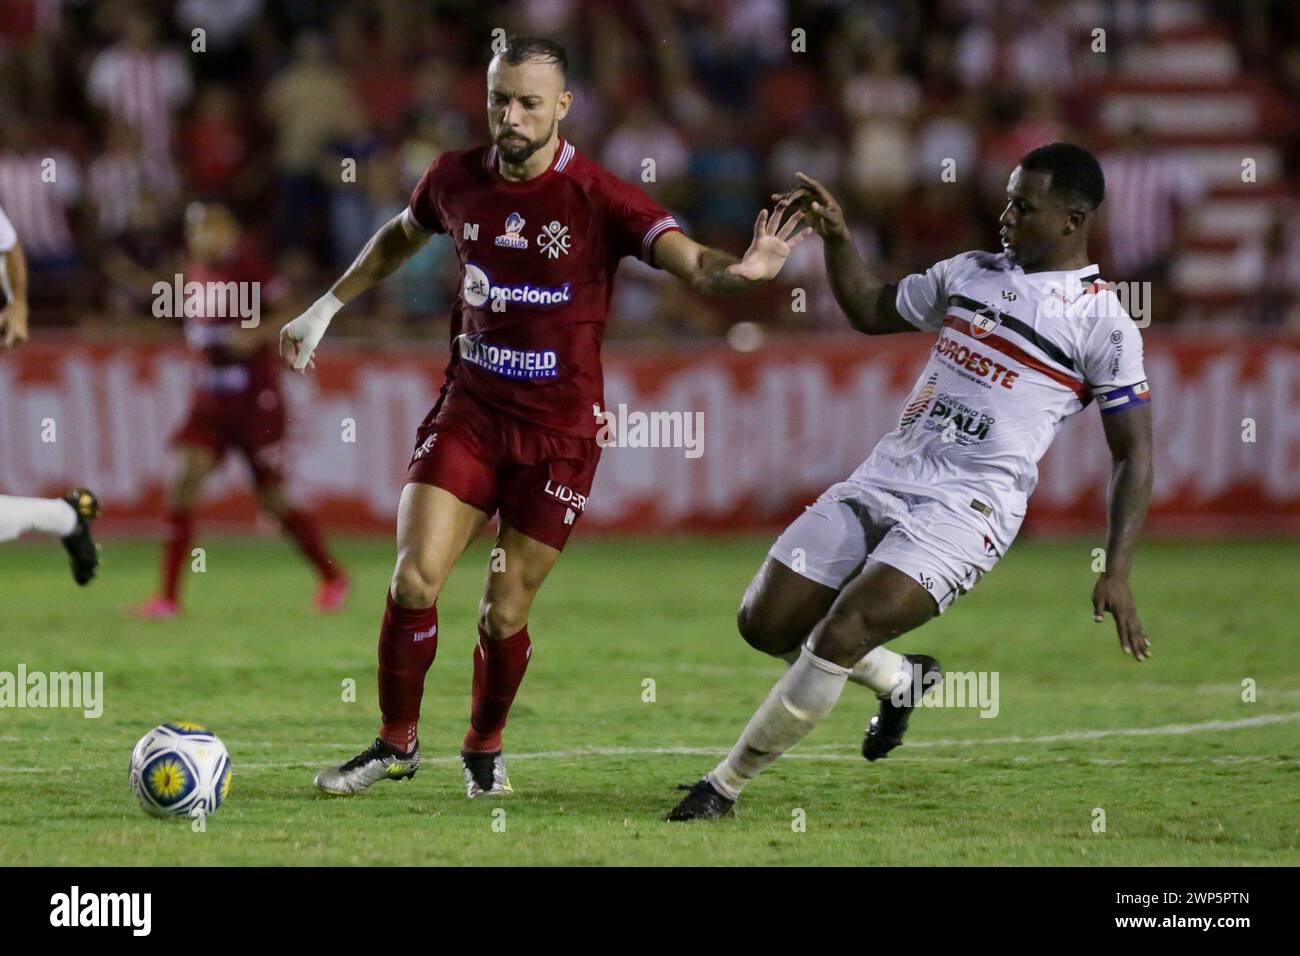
x=237 y=406
x=1027 y=338
x=539 y=230
x=67 y=518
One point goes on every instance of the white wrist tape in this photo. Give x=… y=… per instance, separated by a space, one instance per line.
x=324 y=308
x=308 y=329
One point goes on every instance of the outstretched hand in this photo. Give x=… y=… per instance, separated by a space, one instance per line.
x=816 y=202
x=1112 y=594
x=772 y=244
x=13 y=324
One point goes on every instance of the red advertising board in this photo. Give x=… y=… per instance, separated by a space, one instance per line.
x=752 y=436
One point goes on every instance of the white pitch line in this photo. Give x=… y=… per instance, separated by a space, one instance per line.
x=1166 y=730
x=835 y=757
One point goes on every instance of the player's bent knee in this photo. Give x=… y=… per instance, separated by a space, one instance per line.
x=414 y=585
x=849 y=633
x=271 y=499
x=760 y=633
x=501 y=619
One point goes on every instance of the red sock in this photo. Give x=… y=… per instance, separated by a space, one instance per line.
x=498 y=670
x=301 y=526
x=408 y=643
x=176 y=550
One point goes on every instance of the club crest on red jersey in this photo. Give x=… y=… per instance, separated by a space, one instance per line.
x=554 y=239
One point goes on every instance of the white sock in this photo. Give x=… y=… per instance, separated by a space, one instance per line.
x=879 y=670
x=47 y=515
x=804 y=695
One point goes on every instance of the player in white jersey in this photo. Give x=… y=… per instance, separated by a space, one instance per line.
x=1026 y=338
x=69 y=517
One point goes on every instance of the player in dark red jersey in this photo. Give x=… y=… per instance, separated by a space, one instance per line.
x=539 y=230
x=237 y=404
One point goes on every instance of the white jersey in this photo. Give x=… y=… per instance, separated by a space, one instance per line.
x=1017 y=354
x=8 y=238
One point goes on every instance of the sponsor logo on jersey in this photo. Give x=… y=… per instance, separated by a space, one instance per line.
x=566 y=495
x=554 y=240
x=957 y=421
x=983 y=366
x=914 y=409
x=512 y=238
x=1117 y=340
x=479 y=289
x=984 y=321
x=507 y=362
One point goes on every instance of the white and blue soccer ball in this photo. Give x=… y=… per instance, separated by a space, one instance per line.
x=180 y=769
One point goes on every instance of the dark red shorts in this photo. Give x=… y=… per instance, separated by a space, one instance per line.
x=251 y=423
x=539 y=482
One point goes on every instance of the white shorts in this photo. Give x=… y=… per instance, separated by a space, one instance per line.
x=945 y=551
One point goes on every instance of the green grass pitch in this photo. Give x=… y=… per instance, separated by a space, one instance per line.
x=1186 y=772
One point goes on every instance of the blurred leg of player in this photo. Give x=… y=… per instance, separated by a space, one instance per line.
x=876 y=606
x=256 y=425
x=67 y=518
x=197 y=461
x=779 y=611
x=516 y=570
x=433 y=529
x=301 y=526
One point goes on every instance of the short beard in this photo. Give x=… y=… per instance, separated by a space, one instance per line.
x=518 y=155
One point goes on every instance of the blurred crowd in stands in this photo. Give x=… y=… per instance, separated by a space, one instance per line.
x=115 y=114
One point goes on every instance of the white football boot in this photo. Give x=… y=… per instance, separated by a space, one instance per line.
x=380 y=761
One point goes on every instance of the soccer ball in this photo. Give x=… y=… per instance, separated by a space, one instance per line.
x=180 y=770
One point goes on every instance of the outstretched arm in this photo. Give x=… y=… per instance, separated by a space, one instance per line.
x=13 y=283
x=714 y=272
x=866 y=300
x=1129 y=435
x=395 y=242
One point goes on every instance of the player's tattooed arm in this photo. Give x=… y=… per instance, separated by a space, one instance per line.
x=395 y=242
x=1128 y=433
x=13 y=285
x=867 y=301
x=714 y=272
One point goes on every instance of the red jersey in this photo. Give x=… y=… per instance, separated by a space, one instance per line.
x=229 y=290
x=537 y=263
